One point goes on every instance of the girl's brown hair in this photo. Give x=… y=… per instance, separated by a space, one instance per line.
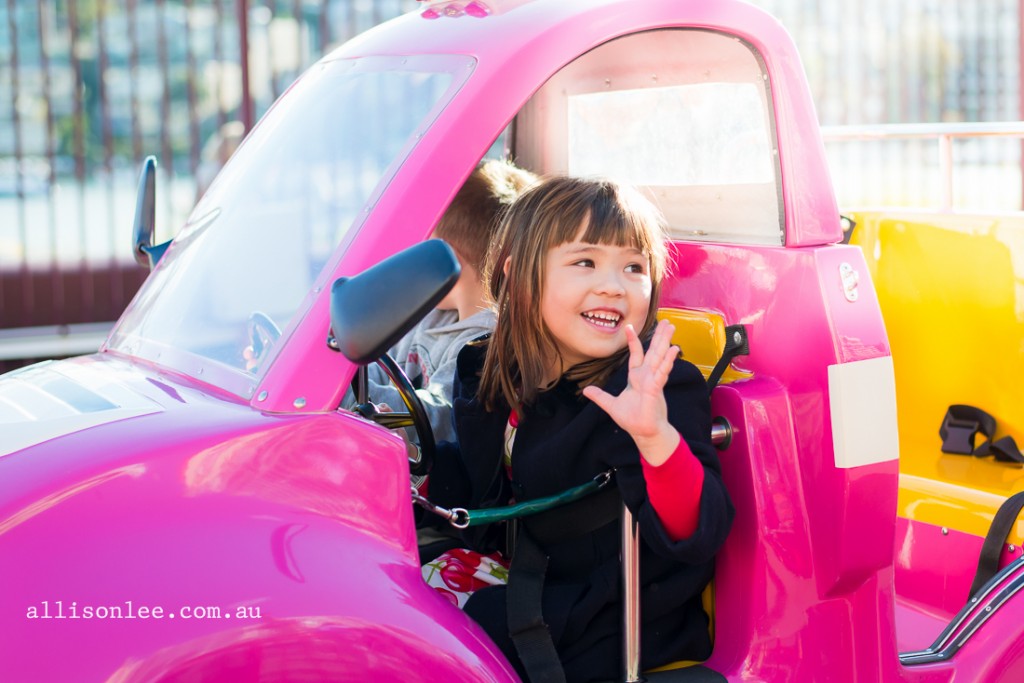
x=546 y=216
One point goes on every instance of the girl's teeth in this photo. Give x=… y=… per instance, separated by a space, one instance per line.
x=603 y=320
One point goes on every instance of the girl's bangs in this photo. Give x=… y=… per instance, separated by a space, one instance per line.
x=621 y=230
x=629 y=226
x=611 y=214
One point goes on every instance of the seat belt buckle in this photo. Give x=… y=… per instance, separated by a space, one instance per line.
x=958 y=435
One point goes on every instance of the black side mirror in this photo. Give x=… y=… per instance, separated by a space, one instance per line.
x=144 y=227
x=371 y=311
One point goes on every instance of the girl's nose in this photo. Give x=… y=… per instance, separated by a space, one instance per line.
x=610 y=284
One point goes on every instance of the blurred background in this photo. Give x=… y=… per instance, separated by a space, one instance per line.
x=88 y=88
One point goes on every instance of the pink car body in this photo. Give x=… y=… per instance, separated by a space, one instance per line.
x=171 y=472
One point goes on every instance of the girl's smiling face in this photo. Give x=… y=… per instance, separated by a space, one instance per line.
x=590 y=293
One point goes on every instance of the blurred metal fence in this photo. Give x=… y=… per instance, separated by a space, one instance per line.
x=89 y=87
x=936 y=62
x=945 y=166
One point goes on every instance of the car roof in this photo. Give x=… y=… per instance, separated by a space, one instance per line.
x=518 y=44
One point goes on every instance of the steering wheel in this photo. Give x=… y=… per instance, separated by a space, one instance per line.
x=263 y=332
x=415 y=415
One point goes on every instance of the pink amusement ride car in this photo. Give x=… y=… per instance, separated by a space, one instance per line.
x=191 y=504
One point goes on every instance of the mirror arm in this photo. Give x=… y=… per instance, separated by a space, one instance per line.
x=362 y=386
x=144 y=225
x=155 y=253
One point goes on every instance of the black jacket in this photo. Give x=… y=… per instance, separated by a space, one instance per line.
x=565 y=440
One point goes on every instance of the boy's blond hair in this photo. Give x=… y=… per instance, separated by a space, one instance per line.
x=472 y=218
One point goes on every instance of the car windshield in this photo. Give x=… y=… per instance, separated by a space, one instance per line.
x=242 y=266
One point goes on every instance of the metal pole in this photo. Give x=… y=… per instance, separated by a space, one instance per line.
x=630 y=597
x=245 y=109
x=1020 y=86
x=946 y=170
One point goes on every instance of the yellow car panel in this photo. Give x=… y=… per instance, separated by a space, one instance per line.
x=951 y=288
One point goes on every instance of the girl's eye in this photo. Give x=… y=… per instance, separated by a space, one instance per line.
x=635 y=268
x=585 y=263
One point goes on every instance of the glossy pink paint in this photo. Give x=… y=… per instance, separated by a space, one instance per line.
x=206 y=503
x=818 y=538
x=282 y=503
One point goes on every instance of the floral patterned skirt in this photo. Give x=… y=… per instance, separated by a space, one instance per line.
x=459 y=573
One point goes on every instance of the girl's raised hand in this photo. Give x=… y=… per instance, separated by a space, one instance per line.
x=640 y=409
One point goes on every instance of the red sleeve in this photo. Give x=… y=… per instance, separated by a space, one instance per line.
x=674 y=489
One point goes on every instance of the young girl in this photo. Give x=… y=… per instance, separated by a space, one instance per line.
x=566 y=389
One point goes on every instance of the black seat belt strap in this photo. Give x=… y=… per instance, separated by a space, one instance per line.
x=1005 y=450
x=992 y=548
x=526 y=626
x=523 y=596
x=962 y=424
x=736 y=344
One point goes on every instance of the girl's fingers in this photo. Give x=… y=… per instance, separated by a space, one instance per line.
x=669 y=331
x=660 y=342
x=636 y=349
x=599 y=396
x=672 y=356
x=661 y=355
x=667 y=362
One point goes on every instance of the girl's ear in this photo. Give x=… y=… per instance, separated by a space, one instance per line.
x=506 y=265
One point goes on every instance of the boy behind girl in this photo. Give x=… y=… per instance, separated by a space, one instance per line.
x=428 y=352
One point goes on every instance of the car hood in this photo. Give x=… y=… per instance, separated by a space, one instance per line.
x=53 y=399
x=107 y=408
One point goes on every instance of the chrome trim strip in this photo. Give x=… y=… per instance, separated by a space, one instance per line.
x=965 y=624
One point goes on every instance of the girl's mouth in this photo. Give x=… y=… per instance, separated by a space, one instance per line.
x=606 y=319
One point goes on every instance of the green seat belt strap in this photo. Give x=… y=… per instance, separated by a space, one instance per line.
x=461 y=518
